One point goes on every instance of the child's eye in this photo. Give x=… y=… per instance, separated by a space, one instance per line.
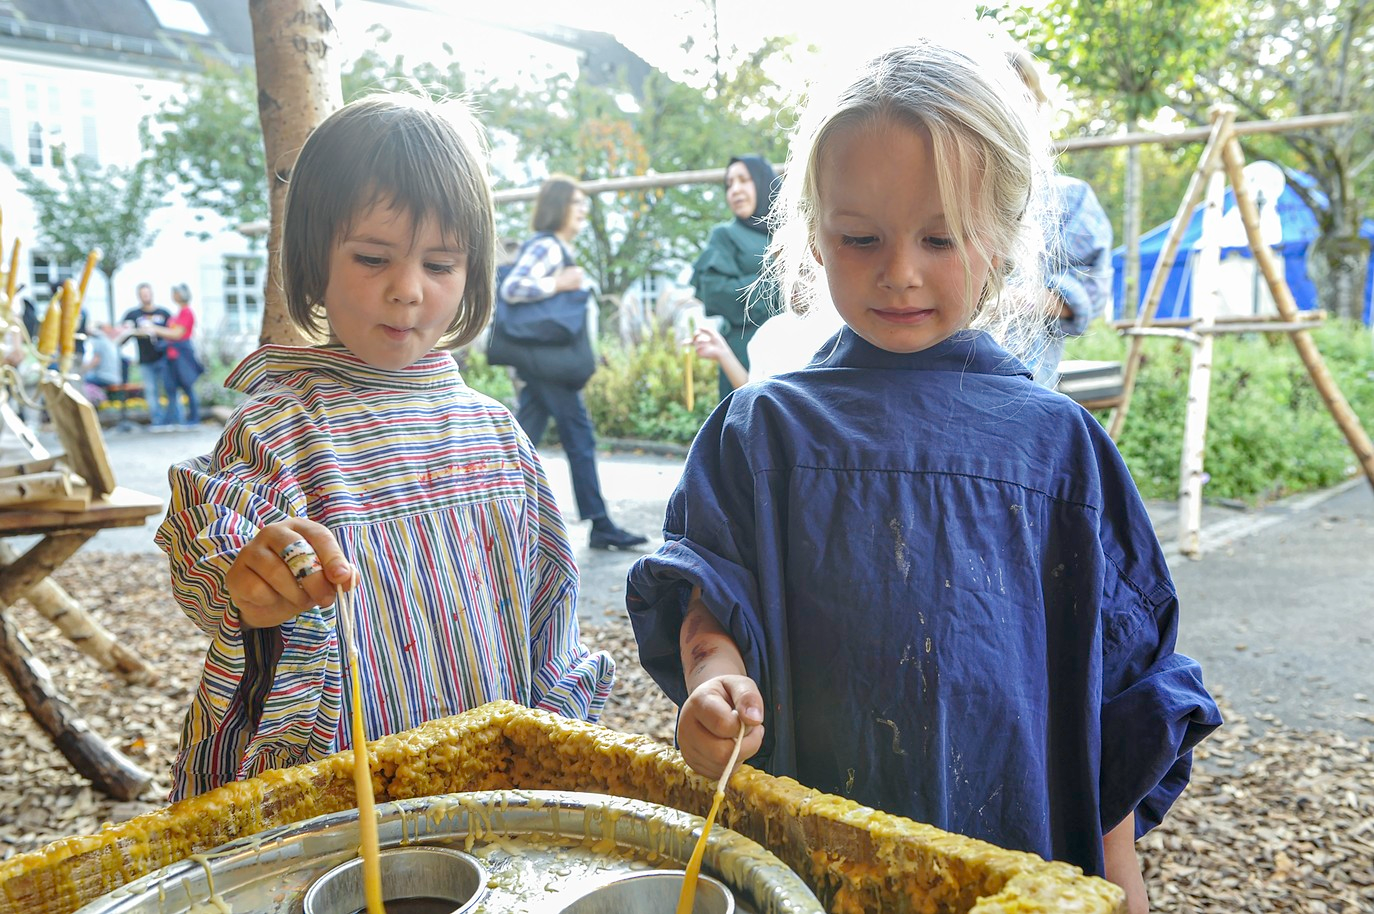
x=369 y=260
x=858 y=241
x=441 y=267
x=940 y=242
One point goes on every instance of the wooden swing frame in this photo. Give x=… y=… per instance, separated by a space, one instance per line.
x=1222 y=159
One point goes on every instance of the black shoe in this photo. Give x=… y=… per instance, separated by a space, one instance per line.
x=614 y=538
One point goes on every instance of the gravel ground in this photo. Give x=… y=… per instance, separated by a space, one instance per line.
x=1276 y=819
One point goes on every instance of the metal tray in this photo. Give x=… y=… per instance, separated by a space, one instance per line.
x=542 y=848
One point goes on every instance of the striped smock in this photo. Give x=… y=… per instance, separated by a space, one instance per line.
x=468 y=587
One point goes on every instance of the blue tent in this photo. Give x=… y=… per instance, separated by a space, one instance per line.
x=1299 y=231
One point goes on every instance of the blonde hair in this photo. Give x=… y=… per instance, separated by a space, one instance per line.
x=425 y=157
x=991 y=156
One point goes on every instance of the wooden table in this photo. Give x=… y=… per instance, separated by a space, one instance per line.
x=63 y=533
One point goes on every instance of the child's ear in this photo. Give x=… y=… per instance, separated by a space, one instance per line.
x=816 y=253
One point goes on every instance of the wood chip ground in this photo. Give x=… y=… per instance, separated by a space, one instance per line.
x=1275 y=819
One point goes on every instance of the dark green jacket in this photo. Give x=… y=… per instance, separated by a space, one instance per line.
x=721 y=277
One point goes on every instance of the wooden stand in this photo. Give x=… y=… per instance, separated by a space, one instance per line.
x=1222 y=152
x=40 y=496
x=63 y=533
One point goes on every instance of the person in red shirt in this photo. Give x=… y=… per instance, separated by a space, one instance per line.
x=184 y=366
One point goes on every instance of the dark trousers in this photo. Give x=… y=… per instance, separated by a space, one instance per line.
x=544 y=400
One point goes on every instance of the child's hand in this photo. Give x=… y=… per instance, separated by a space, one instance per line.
x=709 y=723
x=709 y=344
x=286 y=569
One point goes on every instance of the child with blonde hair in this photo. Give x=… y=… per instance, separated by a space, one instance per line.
x=922 y=581
x=366 y=460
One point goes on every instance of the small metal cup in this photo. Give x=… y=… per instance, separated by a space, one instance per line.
x=416 y=871
x=653 y=890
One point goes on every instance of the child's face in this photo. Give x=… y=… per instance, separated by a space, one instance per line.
x=393 y=291
x=889 y=258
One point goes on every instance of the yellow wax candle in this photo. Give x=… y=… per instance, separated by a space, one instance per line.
x=362 y=773
x=52 y=323
x=687 y=899
x=91 y=260
x=71 y=309
x=691 y=394
x=367 y=808
x=14 y=271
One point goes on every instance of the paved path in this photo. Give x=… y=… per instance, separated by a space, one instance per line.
x=1279 y=610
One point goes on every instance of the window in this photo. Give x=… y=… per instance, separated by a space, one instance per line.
x=44 y=272
x=45 y=144
x=89 y=132
x=243 y=294
x=35 y=143
x=179 y=15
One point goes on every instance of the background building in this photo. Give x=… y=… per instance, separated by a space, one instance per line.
x=78 y=76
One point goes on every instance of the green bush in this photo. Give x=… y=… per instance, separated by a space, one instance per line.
x=492 y=380
x=1269 y=433
x=640 y=392
x=637 y=393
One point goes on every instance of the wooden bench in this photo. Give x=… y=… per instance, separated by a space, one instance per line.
x=119 y=396
x=1093 y=385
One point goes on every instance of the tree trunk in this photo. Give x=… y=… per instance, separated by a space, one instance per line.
x=108 y=769
x=109 y=295
x=1130 y=225
x=295 y=44
x=89 y=636
x=1341 y=261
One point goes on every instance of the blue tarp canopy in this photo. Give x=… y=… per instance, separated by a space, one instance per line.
x=1299 y=228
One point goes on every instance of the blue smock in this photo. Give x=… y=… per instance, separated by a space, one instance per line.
x=947 y=587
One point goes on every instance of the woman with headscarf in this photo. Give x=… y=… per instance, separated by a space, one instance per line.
x=724 y=274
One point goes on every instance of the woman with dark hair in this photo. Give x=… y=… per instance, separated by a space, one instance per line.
x=724 y=274
x=545 y=267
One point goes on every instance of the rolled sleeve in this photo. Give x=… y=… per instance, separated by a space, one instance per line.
x=1155 y=708
x=1079 y=269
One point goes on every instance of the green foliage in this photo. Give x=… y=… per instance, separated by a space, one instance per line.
x=572 y=126
x=1268 y=432
x=90 y=206
x=209 y=140
x=492 y=380
x=1168 y=168
x=1127 y=53
x=1290 y=58
x=641 y=392
x=637 y=393
x=373 y=72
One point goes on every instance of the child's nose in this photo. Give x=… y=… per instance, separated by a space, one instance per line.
x=903 y=268
x=407 y=286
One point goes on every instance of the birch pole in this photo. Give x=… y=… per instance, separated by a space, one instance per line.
x=1206 y=295
x=296 y=48
x=1223 y=116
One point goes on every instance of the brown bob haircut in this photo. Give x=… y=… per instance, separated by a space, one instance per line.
x=553 y=203
x=424 y=157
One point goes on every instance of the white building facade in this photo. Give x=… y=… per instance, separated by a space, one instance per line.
x=77 y=79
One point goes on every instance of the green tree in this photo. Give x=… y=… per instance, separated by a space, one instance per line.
x=208 y=139
x=1127 y=55
x=1300 y=57
x=374 y=70
x=90 y=206
x=590 y=132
